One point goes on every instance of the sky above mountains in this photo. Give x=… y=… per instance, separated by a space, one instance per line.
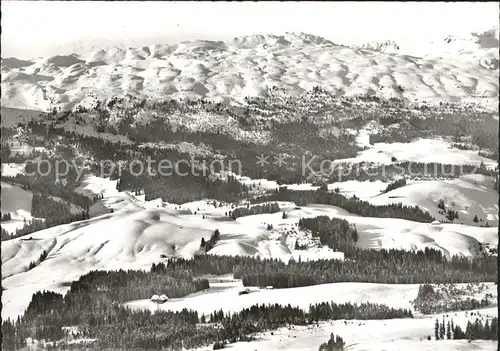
x=33 y=29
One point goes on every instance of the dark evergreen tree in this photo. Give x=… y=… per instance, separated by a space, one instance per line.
x=442 y=330
x=335 y=343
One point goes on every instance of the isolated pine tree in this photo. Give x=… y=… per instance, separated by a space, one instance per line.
x=494 y=328
x=442 y=330
x=468 y=331
x=441 y=205
x=486 y=330
x=436 y=329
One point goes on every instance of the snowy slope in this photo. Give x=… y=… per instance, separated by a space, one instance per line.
x=377 y=233
x=470 y=195
x=249 y=66
x=132 y=237
x=396 y=334
x=126 y=232
x=373 y=335
x=481 y=47
x=227 y=298
x=17 y=202
x=421 y=150
x=12 y=169
x=136 y=235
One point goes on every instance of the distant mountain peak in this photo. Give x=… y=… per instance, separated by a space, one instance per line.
x=387 y=46
x=487 y=39
x=285 y=40
x=252 y=65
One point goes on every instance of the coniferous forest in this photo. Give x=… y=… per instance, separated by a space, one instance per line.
x=253 y=210
x=102 y=293
x=352 y=205
x=429 y=301
x=476 y=330
x=93 y=304
x=94 y=301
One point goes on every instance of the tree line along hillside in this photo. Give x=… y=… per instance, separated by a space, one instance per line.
x=316 y=107
x=93 y=304
x=254 y=210
x=382 y=266
x=477 y=330
x=430 y=300
x=47 y=212
x=291 y=138
x=188 y=182
x=352 y=205
x=178 y=189
x=94 y=301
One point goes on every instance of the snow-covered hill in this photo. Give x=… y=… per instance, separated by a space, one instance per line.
x=470 y=195
x=482 y=44
x=126 y=232
x=388 y=46
x=139 y=233
x=252 y=65
x=373 y=335
x=423 y=150
x=17 y=202
x=395 y=334
x=392 y=295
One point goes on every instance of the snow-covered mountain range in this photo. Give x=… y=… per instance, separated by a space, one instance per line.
x=131 y=227
x=448 y=69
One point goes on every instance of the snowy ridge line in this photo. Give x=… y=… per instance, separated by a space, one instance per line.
x=248 y=66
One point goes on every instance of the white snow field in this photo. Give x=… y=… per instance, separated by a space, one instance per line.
x=251 y=66
x=138 y=232
x=17 y=202
x=469 y=195
x=421 y=150
x=113 y=199
x=359 y=335
x=24 y=149
x=12 y=169
x=371 y=335
x=223 y=295
x=126 y=232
